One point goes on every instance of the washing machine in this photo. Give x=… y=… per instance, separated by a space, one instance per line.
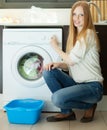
x=25 y=51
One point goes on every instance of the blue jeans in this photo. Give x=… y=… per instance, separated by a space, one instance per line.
x=68 y=94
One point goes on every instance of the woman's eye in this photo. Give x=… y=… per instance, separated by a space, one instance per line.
x=81 y=14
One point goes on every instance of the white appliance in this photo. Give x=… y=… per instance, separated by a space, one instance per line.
x=25 y=51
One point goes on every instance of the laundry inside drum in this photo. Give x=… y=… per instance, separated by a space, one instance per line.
x=30 y=66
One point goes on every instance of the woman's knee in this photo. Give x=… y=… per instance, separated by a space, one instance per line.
x=46 y=73
x=57 y=99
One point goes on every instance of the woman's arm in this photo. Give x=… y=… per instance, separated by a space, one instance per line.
x=54 y=65
x=63 y=55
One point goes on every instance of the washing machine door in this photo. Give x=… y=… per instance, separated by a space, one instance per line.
x=27 y=65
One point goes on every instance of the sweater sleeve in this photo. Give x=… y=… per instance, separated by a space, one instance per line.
x=82 y=47
x=78 y=51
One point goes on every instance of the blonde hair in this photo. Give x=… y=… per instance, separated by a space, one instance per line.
x=88 y=24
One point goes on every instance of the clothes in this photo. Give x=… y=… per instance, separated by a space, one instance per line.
x=85 y=58
x=68 y=94
x=83 y=86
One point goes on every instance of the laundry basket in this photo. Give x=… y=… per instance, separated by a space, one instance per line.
x=24 y=111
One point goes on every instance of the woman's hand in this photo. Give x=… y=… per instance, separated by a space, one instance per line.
x=51 y=66
x=54 y=65
x=64 y=56
x=54 y=42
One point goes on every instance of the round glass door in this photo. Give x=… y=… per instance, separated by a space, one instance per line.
x=30 y=66
x=27 y=65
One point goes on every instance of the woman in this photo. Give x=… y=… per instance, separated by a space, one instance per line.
x=82 y=88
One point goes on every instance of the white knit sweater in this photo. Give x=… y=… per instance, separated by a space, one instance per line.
x=85 y=59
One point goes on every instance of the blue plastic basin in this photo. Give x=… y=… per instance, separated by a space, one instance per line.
x=24 y=111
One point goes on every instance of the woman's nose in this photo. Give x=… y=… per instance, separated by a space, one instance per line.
x=77 y=16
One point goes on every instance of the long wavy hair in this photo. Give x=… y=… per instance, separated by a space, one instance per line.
x=88 y=24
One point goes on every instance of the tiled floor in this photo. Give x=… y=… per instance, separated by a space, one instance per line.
x=99 y=123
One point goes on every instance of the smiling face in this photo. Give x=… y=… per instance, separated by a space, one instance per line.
x=78 y=18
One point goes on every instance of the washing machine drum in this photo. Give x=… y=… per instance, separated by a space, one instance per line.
x=30 y=66
x=27 y=65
